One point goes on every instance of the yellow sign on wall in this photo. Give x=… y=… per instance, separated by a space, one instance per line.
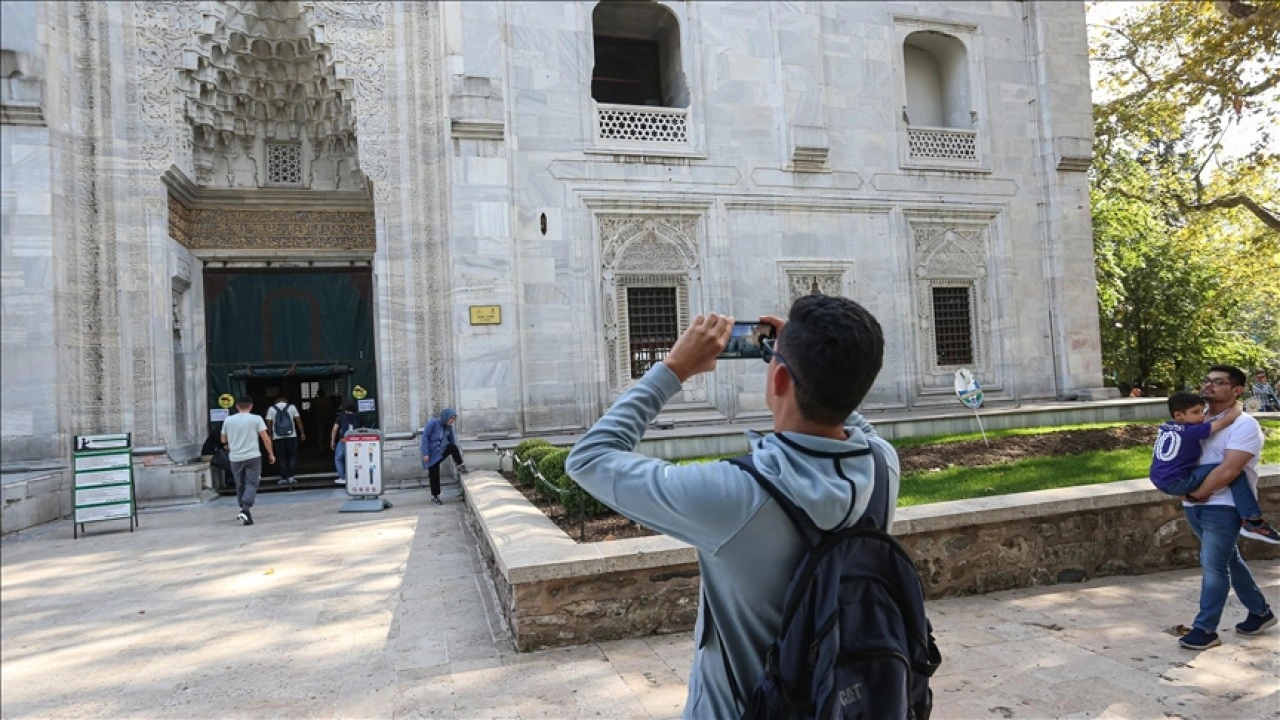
x=486 y=314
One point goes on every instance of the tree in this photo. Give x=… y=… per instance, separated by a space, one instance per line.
x=1194 y=83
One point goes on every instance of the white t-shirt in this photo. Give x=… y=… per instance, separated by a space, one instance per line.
x=271 y=415
x=1244 y=434
x=242 y=431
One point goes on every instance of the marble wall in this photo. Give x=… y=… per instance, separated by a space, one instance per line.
x=796 y=157
x=495 y=181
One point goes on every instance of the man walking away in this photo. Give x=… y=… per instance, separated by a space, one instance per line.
x=437 y=443
x=286 y=432
x=240 y=434
x=825 y=359
x=343 y=424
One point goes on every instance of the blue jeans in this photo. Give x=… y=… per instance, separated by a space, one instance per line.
x=340 y=459
x=1221 y=567
x=1241 y=492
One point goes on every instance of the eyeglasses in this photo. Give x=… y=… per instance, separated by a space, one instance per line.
x=1216 y=382
x=768 y=351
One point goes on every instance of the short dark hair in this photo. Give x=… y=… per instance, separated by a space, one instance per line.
x=1236 y=374
x=1183 y=401
x=244 y=400
x=350 y=408
x=835 y=349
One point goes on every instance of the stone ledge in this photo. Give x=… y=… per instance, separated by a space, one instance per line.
x=555 y=591
x=528 y=547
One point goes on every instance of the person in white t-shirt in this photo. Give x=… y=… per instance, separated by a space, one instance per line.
x=240 y=434
x=1213 y=517
x=286 y=433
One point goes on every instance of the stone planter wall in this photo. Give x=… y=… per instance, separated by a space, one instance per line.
x=555 y=591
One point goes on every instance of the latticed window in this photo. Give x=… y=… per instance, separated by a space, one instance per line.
x=942 y=144
x=653 y=326
x=952 y=326
x=284 y=164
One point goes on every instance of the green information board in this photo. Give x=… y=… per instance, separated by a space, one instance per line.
x=103 y=466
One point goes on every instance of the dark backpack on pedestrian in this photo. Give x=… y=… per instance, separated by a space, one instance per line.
x=854 y=642
x=283 y=422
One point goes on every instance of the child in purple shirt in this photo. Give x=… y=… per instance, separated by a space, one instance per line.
x=1175 y=468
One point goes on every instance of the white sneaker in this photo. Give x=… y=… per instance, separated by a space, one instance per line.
x=340 y=481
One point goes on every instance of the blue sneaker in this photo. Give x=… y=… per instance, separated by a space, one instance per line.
x=1198 y=639
x=1255 y=624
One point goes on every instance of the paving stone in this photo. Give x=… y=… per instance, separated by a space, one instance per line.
x=315 y=614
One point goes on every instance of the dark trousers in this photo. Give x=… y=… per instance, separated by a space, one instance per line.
x=286 y=456
x=433 y=472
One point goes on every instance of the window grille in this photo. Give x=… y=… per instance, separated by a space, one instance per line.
x=284 y=164
x=942 y=144
x=643 y=124
x=653 y=326
x=952 y=326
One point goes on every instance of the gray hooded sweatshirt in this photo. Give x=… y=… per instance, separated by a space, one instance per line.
x=747 y=548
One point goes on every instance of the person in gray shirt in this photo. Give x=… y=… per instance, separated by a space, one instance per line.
x=240 y=434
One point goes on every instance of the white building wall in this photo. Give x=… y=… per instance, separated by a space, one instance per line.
x=762 y=85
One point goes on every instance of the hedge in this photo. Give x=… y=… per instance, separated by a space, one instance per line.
x=534 y=454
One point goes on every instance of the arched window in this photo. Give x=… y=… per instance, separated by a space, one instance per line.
x=937 y=78
x=637 y=55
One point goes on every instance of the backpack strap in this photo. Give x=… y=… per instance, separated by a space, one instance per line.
x=805 y=527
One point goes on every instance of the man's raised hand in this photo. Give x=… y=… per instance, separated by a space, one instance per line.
x=696 y=350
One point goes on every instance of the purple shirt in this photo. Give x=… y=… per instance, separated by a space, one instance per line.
x=1177 y=451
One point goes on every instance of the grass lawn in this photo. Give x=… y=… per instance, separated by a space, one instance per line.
x=1038 y=473
x=958 y=483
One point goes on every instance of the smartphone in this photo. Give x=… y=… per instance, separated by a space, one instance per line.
x=746 y=339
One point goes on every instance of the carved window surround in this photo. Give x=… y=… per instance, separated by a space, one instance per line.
x=951 y=253
x=645 y=250
x=800 y=277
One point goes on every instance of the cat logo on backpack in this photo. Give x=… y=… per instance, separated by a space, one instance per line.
x=851 y=694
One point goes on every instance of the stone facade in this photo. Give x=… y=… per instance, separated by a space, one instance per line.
x=456 y=149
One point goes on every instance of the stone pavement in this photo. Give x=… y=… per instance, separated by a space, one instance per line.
x=312 y=613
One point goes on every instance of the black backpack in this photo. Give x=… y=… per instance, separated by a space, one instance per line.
x=854 y=641
x=283 y=422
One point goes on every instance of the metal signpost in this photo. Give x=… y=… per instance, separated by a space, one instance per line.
x=364 y=471
x=103 y=468
x=970 y=394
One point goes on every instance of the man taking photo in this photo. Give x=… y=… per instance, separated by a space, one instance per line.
x=826 y=357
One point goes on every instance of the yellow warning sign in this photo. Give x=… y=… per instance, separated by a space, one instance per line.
x=358 y=392
x=225 y=400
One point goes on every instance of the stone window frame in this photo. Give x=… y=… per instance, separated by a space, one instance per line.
x=970 y=36
x=634 y=151
x=619 y=230
x=933 y=257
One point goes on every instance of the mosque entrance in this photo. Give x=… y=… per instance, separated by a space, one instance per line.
x=305 y=335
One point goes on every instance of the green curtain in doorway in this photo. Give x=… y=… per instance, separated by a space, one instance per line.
x=262 y=323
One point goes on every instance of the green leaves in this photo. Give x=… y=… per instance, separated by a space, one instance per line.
x=1185 y=187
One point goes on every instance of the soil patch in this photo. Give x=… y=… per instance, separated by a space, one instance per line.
x=973 y=453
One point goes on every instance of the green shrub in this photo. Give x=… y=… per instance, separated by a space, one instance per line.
x=552 y=466
x=523 y=473
x=573 y=497
x=527 y=445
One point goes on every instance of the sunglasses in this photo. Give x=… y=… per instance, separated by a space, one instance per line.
x=769 y=351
